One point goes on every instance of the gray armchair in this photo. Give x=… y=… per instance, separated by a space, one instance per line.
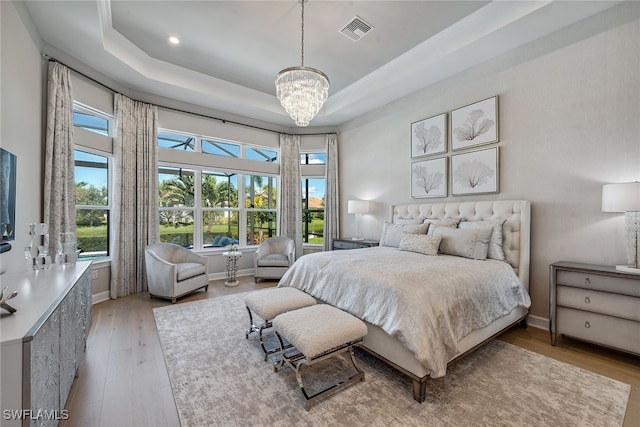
x=173 y=271
x=273 y=258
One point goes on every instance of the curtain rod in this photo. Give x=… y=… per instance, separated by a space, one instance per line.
x=224 y=121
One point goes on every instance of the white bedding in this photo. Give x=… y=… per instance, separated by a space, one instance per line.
x=429 y=303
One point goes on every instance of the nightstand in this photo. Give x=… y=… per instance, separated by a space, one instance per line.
x=595 y=303
x=353 y=244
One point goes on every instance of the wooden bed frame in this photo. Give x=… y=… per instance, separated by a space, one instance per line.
x=516 y=236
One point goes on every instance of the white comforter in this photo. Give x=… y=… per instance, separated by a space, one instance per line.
x=429 y=303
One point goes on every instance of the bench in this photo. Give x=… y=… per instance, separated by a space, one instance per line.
x=269 y=303
x=318 y=332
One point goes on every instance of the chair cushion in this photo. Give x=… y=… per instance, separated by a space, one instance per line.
x=319 y=328
x=187 y=270
x=273 y=260
x=268 y=303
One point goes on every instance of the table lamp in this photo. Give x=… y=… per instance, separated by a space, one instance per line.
x=625 y=197
x=358 y=207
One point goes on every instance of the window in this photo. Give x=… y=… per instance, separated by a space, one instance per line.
x=92 y=204
x=261 y=154
x=176 y=141
x=313 y=210
x=260 y=203
x=313 y=189
x=92 y=158
x=220 y=148
x=86 y=119
x=313 y=158
x=220 y=214
x=208 y=206
x=177 y=197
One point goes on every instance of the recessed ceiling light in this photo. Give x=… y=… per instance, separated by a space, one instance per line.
x=174 y=40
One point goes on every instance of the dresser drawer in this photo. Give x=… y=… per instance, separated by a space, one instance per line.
x=598 y=328
x=599 y=282
x=599 y=302
x=341 y=244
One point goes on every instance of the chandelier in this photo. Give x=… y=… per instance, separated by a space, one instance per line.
x=302 y=90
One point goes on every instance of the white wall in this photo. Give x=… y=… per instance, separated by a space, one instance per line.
x=21 y=126
x=569 y=122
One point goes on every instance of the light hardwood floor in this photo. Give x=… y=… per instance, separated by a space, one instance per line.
x=124 y=381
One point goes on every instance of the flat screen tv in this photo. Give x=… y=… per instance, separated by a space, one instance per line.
x=8 y=164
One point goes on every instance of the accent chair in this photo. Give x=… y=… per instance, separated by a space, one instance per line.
x=273 y=258
x=174 y=271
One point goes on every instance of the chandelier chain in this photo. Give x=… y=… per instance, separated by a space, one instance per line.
x=302 y=90
x=302 y=38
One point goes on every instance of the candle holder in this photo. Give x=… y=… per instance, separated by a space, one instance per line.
x=67 y=248
x=37 y=253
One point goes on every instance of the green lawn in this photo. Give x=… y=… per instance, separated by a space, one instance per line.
x=94 y=238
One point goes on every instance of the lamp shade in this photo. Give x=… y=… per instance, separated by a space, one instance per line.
x=623 y=197
x=358 y=207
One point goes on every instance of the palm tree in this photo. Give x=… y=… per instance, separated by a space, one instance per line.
x=177 y=191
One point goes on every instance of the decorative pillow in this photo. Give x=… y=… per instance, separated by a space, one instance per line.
x=495 y=243
x=420 y=243
x=391 y=233
x=436 y=222
x=407 y=221
x=467 y=243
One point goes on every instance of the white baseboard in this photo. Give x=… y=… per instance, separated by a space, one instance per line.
x=100 y=297
x=223 y=275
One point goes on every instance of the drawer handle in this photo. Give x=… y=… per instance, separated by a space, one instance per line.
x=587 y=281
x=587 y=300
x=587 y=325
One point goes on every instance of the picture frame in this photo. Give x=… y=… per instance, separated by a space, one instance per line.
x=475 y=124
x=475 y=172
x=429 y=136
x=429 y=178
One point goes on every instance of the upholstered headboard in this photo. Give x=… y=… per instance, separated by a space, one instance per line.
x=516 y=231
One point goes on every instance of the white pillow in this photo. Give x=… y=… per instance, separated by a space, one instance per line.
x=436 y=222
x=420 y=243
x=391 y=233
x=467 y=243
x=407 y=221
x=495 y=243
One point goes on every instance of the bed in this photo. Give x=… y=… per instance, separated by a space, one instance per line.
x=391 y=287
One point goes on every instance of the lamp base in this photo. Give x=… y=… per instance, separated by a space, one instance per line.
x=628 y=269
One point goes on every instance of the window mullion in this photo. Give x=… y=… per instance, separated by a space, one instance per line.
x=197 y=214
x=242 y=214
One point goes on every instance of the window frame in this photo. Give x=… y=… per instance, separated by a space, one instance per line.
x=96 y=143
x=201 y=163
x=308 y=171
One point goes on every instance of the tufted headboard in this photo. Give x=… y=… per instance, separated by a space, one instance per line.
x=516 y=231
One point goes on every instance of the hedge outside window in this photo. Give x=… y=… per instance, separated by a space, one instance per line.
x=92 y=204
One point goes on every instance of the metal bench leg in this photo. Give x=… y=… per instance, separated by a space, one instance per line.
x=298 y=360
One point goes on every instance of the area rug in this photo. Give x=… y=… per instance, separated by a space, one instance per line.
x=219 y=378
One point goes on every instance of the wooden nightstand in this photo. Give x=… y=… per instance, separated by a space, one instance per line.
x=353 y=244
x=595 y=303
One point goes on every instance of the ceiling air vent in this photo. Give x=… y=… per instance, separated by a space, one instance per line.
x=356 y=29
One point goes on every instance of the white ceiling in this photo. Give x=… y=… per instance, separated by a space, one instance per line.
x=230 y=51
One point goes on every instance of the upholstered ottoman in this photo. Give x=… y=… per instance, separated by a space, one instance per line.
x=268 y=303
x=318 y=332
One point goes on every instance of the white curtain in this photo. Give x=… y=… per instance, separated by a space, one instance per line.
x=332 y=195
x=290 y=190
x=59 y=180
x=135 y=193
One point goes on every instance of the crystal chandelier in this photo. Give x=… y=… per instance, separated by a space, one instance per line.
x=302 y=90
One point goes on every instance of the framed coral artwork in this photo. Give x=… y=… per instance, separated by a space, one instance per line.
x=429 y=136
x=475 y=172
x=475 y=124
x=429 y=178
